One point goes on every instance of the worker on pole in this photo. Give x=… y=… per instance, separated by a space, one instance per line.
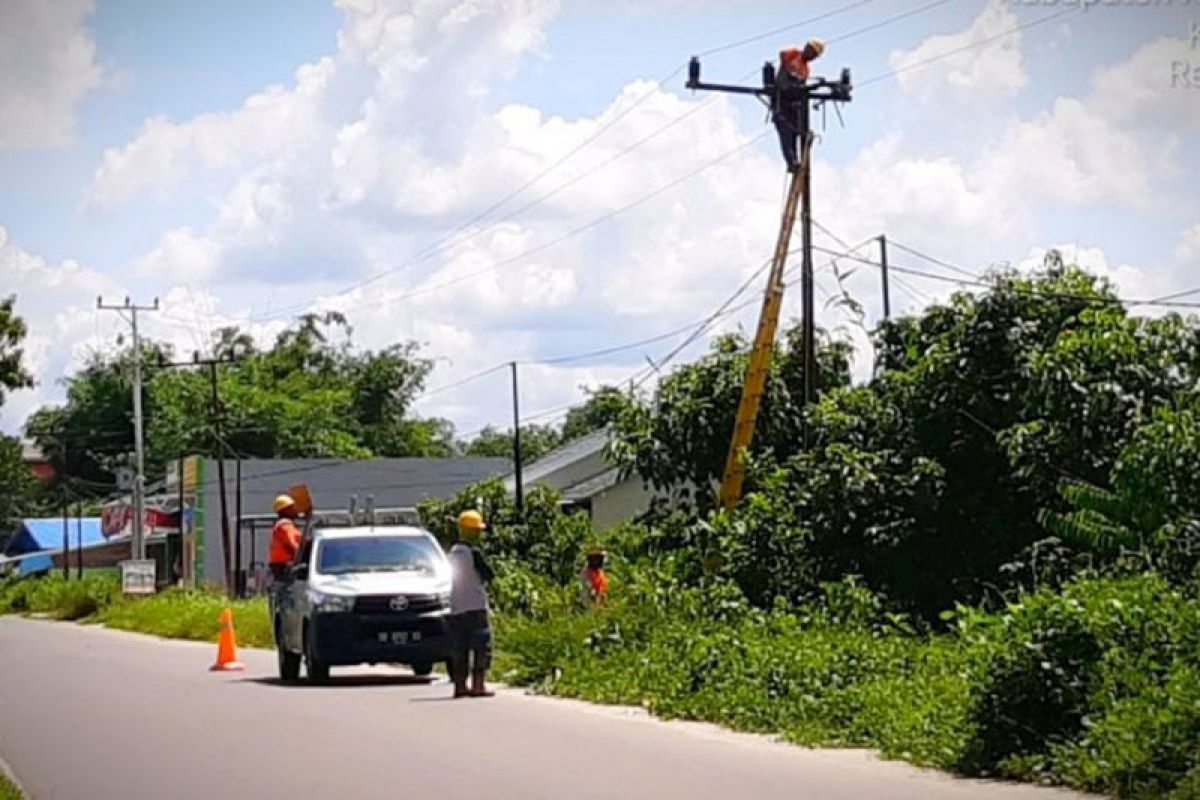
x=285 y=537
x=791 y=93
x=469 y=623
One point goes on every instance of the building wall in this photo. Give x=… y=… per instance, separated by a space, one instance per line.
x=621 y=503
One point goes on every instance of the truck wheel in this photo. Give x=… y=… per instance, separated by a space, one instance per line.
x=422 y=669
x=318 y=671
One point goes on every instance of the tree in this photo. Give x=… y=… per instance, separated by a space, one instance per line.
x=536 y=441
x=680 y=436
x=17 y=486
x=311 y=394
x=12 y=332
x=927 y=481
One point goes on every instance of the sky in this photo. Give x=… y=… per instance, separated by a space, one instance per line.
x=529 y=180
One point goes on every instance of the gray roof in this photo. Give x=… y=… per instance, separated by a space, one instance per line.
x=569 y=453
x=394 y=482
x=593 y=486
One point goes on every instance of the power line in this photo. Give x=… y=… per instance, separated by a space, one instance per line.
x=450 y=240
x=758 y=37
x=939 y=262
x=987 y=40
x=569 y=234
x=1032 y=292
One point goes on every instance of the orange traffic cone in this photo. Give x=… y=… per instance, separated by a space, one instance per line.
x=227 y=646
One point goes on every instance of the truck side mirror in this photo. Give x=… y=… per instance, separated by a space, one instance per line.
x=300 y=572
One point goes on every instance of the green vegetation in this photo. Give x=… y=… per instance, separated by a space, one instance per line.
x=173 y=614
x=985 y=559
x=9 y=790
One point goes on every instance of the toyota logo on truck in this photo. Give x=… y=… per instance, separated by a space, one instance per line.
x=398 y=603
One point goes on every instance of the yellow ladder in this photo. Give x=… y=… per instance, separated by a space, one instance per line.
x=764 y=339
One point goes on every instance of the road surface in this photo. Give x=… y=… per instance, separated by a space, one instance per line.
x=92 y=713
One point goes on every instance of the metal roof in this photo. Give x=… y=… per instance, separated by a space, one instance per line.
x=35 y=535
x=569 y=453
x=593 y=486
x=393 y=482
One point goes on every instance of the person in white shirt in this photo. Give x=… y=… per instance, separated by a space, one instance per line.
x=469 y=624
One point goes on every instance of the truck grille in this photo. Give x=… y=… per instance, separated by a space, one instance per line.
x=382 y=604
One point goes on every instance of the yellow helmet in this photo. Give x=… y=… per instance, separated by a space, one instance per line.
x=816 y=45
x=595 y=550
x=284 y=501
x=471 y=520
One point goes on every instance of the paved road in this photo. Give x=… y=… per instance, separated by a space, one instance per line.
x=93 y=713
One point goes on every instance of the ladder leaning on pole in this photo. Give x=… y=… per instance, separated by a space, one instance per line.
x=764 y=339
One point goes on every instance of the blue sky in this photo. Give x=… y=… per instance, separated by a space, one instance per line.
x=239 y=159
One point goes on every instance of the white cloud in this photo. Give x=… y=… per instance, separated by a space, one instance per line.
x=1131 y=281
x=47 y=65
x=1188 y=250
x=360 y=164
x=981 y=70
x=54 y=300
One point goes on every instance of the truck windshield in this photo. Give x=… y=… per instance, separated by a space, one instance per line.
x=377 y=554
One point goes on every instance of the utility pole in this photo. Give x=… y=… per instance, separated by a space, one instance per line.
x=519 y=490
x=139 y=481
x=807 y=281
x=883 y=264
x=789 y=98
x=219 y=451
x=66 y=552
x=79 y=539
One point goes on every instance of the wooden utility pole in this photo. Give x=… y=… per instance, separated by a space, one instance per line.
x=218 y=447
x=883 y=265
x=790 y=103
x=519 y=487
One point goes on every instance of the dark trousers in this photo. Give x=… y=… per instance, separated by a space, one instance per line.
x=470 y=644
x=789 y=135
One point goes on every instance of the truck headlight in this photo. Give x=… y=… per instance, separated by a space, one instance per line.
x=330 y=603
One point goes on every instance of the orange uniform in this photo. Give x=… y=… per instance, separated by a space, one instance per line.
x=285 y=542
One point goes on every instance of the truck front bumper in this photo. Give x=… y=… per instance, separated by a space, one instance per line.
x=343 y=639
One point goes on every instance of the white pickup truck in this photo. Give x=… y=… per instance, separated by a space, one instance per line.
x=363 y=595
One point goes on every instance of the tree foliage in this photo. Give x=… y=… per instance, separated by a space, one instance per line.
x=12 y=333
x=932 y=479
x=311 y=394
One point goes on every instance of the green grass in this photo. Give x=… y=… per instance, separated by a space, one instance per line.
x=190 y=615
x=1095 y=686
x=174 y=614
x=9 y=790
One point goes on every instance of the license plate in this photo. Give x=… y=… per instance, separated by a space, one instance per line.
x=403 y=637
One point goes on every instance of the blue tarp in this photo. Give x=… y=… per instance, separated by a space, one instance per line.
x=36 y=535
x=32 y=565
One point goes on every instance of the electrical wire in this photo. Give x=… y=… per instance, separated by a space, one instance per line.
x=950 y=53
x=979 y=282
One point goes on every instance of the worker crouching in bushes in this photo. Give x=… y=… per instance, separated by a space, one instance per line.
x=470 y=627
x=594 y=580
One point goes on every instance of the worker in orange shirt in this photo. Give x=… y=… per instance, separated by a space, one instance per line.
x=794 y=71
x=285 y=537
x=594 y=589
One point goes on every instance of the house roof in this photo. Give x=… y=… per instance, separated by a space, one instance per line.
x=35 y=535
x=394 y=482
x=593 y=486
x=569 y=453
x=563 y=457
